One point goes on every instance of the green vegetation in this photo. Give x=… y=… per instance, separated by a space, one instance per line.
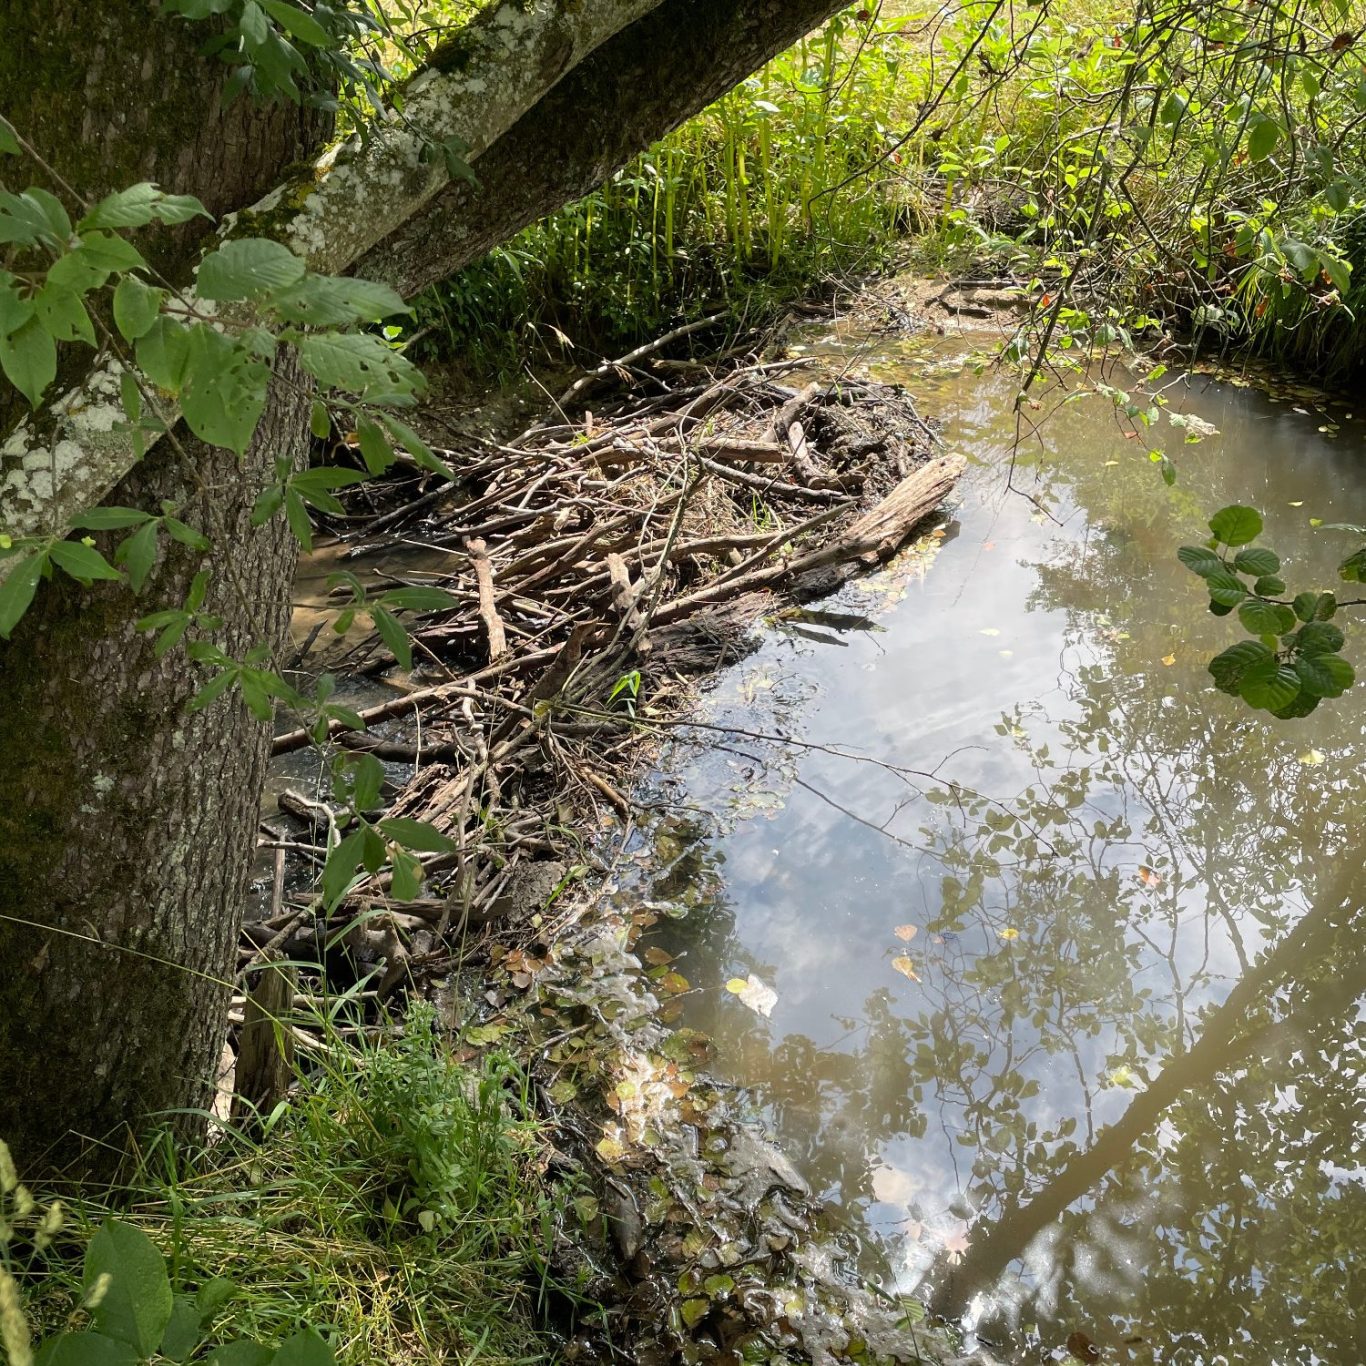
x=393 y=1206
x=750 y=202
x=1195 y=165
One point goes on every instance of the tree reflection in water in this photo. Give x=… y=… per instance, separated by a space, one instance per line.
x=1124 y=1094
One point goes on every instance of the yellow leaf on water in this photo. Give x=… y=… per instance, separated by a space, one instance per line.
x=906 y=932
x=1169 y=660
x=1010 y=932
x=905 y=967
x=1149 y=877
x=1312 y=756
x=1299 y=504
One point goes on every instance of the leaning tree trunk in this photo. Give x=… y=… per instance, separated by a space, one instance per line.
x=126 y=821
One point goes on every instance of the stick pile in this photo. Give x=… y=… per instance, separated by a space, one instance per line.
x=596 y=563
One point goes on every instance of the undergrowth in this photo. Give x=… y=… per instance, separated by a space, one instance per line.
x=394 y=1203
x=1193 y=163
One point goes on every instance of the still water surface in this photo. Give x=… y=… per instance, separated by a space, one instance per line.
x=1068 y=1010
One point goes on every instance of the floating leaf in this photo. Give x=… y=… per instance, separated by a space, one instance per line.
x=1149 y=877
x=610 y=1148
x=1009 y=933
x=906 y=932
x=1169 y=660
x=1312 y=757
x=752 y=992
x=905 y=967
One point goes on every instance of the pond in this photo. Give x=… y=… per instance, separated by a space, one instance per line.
x=1026 y=944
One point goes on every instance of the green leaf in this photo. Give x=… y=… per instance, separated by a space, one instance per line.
x=268 y=502
x=340 y=868
x=109 y=253
x=29 y=360
x=9 y=143
x=240 y=1353
x=84 y=1349
x=1225 y=589
x=1269 y=586
x=246 y=267
x=224 y=391
x=213 y=1295
x=1318 y=638
x=1257 y=562
x=296 y=23
x=1229 y=668
x=213 y=689
x=1236 y=525
x=394 y=636
x=374 y=446
x=1353 y=568
x=1264 y=618
x=407 y=880
x=305 y=1348
x=136 y=306
x=359 y=364
x=182 y=1330
x=33 y=217
x=1305 y=605
x=1327 y=606
x=367 y=781
x=296 y=514
x=63 y=315
x=1325 y=675
x=416 y=447
x=1269 y=685
x=418 y=835
x=140 y=204
x=111 y=519
x=17 y=590
x=1262 y=138
x=136 y=1304
x=419 y=600
x=138 y=554
x=186 y=535
x=335 y=300
x=319 y=423
x=130 y=398
x=163 y=352
x=1200 y=560
x=15 y=310
x=83 y=562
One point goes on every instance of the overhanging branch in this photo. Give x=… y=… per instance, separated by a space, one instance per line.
x=508 y=58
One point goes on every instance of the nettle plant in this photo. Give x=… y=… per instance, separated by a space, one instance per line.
x=208 y=354
x=127 y=1311
x=1291 y=663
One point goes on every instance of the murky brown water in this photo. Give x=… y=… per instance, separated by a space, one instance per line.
x=1070 y=1031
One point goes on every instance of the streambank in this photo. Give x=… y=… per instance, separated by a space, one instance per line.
x=600 y=564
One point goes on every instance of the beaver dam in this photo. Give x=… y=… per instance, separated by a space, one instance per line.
x=959 y=961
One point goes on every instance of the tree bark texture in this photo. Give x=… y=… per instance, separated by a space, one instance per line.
x=126 y=821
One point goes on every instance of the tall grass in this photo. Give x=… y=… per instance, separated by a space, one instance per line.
x=757 y=196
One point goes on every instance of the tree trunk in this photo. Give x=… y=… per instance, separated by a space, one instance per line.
x=126 y=821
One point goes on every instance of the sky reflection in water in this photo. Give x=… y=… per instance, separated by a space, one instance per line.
x=1071 y=1030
